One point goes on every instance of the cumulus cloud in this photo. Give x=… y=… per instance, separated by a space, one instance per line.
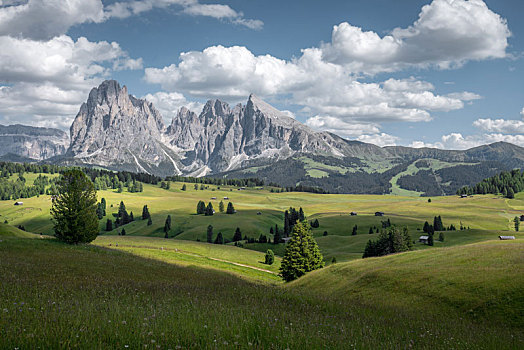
x=339 y=127
x=48 y=80
x=170 y=103
x=447 y=34
x=45 y=19
x=500 y=125
x=458 y=141
x=381 y=139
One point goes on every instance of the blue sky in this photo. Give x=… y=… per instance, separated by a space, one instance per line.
x=441 y=73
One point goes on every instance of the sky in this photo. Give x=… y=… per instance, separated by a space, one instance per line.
x=419 y=73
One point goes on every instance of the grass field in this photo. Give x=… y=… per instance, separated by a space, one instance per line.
x=57 y=296
x=144 y=291
x=487 y=215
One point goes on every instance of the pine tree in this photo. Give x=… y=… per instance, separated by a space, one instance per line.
x=123 y=233
x=210 y=234
x=301 y=216
x=370 y=230
x=145 y=213
x=219 y=239
x=201 y=207
x=302 y=254
x=426 y=227
x=516 y=221
x=270 y=257
x=149 y=221
x=277 y=238
x=74 y=208
x=354 y=232
x=334 y=260
x=167 y=225
x=271 y=231
x=104 y=206
x=184 y=187
x=230 y=208
x=209 y=209
x=221 y=207
x=511 y=193
x=441 y=237
x=287 y=226
x=109 y=225
x=131 y=217
x=237 y=236
x=430 y=239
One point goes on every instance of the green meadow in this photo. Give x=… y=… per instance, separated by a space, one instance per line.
x=486 y=215
x=145 y=291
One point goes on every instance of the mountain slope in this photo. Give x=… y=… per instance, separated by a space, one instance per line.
x=32 y=142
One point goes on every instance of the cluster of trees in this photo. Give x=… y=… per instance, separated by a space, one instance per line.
x=146 y=215
x=18 y=187
x=302 y=254
x=247 y=182
x=219 y=238
x=516 y=221
x=423 y=181
x=437 y=226
x=209 y=211
x=291 y=217
x=122 y=218
x=315 y=223
x=390 y=241
x=506 y=183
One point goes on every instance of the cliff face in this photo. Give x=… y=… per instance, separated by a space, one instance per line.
x=32 y=142
x=117 y=130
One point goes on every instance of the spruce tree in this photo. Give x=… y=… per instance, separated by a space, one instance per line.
x=73 y=209
x=109 y=225
x=201 y=208
x=221 y=207
x=354 y=232
x=516 y=221
x=219 y=239
x=167 y=225
x=302 y=253
x=184 y=187
x=370 y=230
x=210 y=234
x=145 y=213
x=209 y=209
x=123 y=233
x=230 y=208
x=441 y=237
x=237 y=236
x=511 y=193
x=149 y=221
x=430 y=239
x=277 y=238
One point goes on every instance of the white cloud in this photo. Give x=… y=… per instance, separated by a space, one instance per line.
x=447 y=34
x=381 y=139
x=500 y=125
x=458 y=141
x=45 y=19
x=339 y=127
x=323 y=88
x=170 y=103
x=190 y=7
x=48 y=80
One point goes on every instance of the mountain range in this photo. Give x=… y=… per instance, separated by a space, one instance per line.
x=118 y=131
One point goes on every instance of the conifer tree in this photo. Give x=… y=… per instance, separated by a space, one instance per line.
x=516 y=221
x=145 y=213
x=430 y=239
x=184 y=187
x=209 y=209
x=237 y=236
x=302 y=253
x=73 y=210
x=201 y=207
x=167 y=225
x=221 y=207
x=123 y=233
x=219 y=239
x=109 y=225
x=277 y=238
x=441 y=237
x=230 y=208
x=354 y=232
x=149 y=221
x=370 y=230
x=210 y=234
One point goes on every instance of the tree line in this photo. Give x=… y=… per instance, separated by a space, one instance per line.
x=507 y=183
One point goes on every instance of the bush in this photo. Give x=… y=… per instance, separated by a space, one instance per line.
x=270 y=257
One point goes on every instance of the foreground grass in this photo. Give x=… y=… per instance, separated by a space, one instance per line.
x=58 y=296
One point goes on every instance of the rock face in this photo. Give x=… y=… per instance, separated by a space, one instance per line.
x=116 y=130
x=32 y=142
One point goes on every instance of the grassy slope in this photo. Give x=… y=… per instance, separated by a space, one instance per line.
x=484 y=280
x=10 y=231
x=242 y=262
x=53 y=295
x=480 y=213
